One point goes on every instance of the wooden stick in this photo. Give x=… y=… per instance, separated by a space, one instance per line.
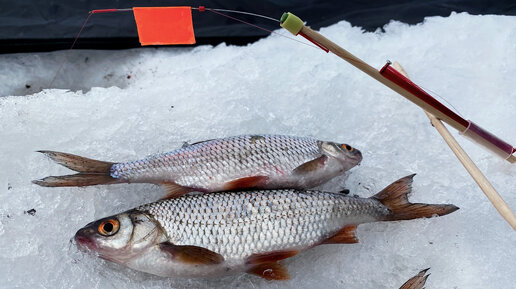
x=470 y=166
x=371 y=71
x=374 y=73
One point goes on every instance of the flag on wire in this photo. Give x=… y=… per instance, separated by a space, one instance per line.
x=164 y=25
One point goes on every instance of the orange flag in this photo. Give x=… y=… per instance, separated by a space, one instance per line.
x=164 y=25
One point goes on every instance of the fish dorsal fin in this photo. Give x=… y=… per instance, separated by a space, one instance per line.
x=346 y=235
x=395 y=198
x=270 y=257
x=270 y=271
x=396 y=193
x=199 y=142
x=174 y=190
x=416 y=282
x=246 y=183
x=192 y=254
x=311 y=166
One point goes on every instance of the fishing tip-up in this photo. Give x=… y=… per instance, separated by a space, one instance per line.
x=404 y=86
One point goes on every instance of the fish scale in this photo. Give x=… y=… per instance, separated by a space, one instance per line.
x=237 y=225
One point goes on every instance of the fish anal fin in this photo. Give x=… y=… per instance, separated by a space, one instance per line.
x=311 y=166
x=395 y=198
x=345 y=235
x=192 y=254
x=270 y=257
x=246 y=183
x=270 y=271
x=174 y=190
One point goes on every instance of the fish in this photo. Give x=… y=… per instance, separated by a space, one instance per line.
x=416 y=282
x=226 y=164
x=209 y=235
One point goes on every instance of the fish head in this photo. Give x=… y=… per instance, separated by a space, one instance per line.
x=344 y=153
x=121 y=237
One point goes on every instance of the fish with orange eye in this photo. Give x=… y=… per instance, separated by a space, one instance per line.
x=226 y=164
x=209 y=235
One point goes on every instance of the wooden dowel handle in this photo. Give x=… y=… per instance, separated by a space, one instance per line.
x=374 y=73
x=484 y=184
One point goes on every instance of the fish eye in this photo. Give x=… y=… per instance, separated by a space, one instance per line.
x=108 y=227
x=347 y=147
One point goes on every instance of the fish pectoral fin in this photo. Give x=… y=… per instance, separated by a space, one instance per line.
x=192 y=254
x=311 y=166
x=270 y=271
x=270 y=257
x=346 y=235
x=174 y=190
x=416 y=282
x=246 y=183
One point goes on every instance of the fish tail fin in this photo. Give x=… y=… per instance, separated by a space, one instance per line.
x=416 y=282
x=395 y=197
x=90 y=172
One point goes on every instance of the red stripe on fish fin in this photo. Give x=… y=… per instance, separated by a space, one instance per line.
x=270 y=257
x=311 y=166
x=346 y=235
x=395 y=198
x=270 y=271
x=192 y=254
x=246 y=183
x=174 y=190
x=91 y=172
x=77 y=180
x=416 y=282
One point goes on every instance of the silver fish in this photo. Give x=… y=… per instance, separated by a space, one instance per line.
x=217 y=234
x=240 y=162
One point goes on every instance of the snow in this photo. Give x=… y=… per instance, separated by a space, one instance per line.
x=123 y=105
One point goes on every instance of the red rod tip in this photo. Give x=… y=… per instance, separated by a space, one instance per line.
x=202 y=9
x=102 y=11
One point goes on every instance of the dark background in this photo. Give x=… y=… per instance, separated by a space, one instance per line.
x=31 y=25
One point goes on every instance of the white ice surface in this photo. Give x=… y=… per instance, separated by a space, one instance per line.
x=272 y=86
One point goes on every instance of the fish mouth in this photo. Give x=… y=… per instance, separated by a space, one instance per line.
x=83 y=240
x=357 y=156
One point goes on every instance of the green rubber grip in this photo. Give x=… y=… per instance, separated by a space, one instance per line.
x=291 y=22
